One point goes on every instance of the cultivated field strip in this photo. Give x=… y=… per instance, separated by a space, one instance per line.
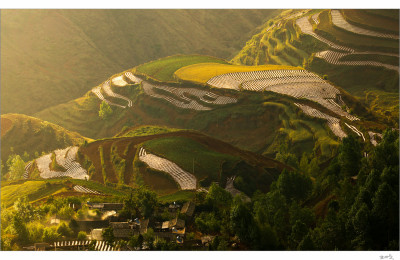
x=107 y=88
x=306 y=27
x=201 y=94
x=26 y=172
x=99 y=246
x=82 y=189
x=235 y=79
x=339 y=21
x=186 y=180
x=182 y=93
x=333 y=122
x=119 y=81
x=97 y=92
x=65 y=158
x=295 y=15
x=294 y=83
x=372 y=137
x=333 y=57
x=133 y=78
x=315 y=18
x=355 y=130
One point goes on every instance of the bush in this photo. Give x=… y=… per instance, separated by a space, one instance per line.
x=105 y=111
x=81 y=236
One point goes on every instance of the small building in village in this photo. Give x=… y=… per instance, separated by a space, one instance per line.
x=188 y=208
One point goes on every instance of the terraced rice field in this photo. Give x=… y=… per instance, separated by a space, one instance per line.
x=333 y=57
x=183 y=99
x=295 y=15
x=107 y=88
x=97 y=92
x=82 y=189
x=295 y=83
x=26 y=173
x=372 y=137
x=186 y=180
x=119 y=81
x=65 y=158
x=355 y=130
x=133 y=78
x=315 y=18
x=339 y=21
x=332 y=122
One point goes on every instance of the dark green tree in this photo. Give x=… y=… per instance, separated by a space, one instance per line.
x=105 y=111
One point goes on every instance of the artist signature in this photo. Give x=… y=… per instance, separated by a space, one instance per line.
x=386 y=257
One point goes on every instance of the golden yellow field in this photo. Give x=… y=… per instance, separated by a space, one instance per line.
x=202 y=72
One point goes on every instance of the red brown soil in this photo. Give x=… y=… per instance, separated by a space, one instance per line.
x=5 y=125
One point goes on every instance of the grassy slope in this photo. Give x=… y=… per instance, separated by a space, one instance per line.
x=61 y=54
x=146 y=130
x=32 y=189
x=164 y=68
x=34 y=135
x=179 y=147
x=189 y=155
x=40 y=189
x=82 y=115
x=201 y=73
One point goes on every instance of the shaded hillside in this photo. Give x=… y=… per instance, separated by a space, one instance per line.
x=63 y=53
x=117 y=160
x=23 y=133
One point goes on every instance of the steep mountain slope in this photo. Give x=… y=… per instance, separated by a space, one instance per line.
x=61 y=54
x=172 y=161
x=29 y=134
x=263 y=119
x=356 y=50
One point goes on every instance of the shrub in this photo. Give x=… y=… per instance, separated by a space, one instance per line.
x=81 y=236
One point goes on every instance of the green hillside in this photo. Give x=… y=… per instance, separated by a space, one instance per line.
x=21 y=133
x=61 y=54
x=211 y=159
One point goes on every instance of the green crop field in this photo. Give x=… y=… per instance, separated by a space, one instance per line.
x=164 y=69
x=190 y=155
x=146 y=130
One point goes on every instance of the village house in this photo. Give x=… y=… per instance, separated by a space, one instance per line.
x=105 y=206
x=188 y=209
